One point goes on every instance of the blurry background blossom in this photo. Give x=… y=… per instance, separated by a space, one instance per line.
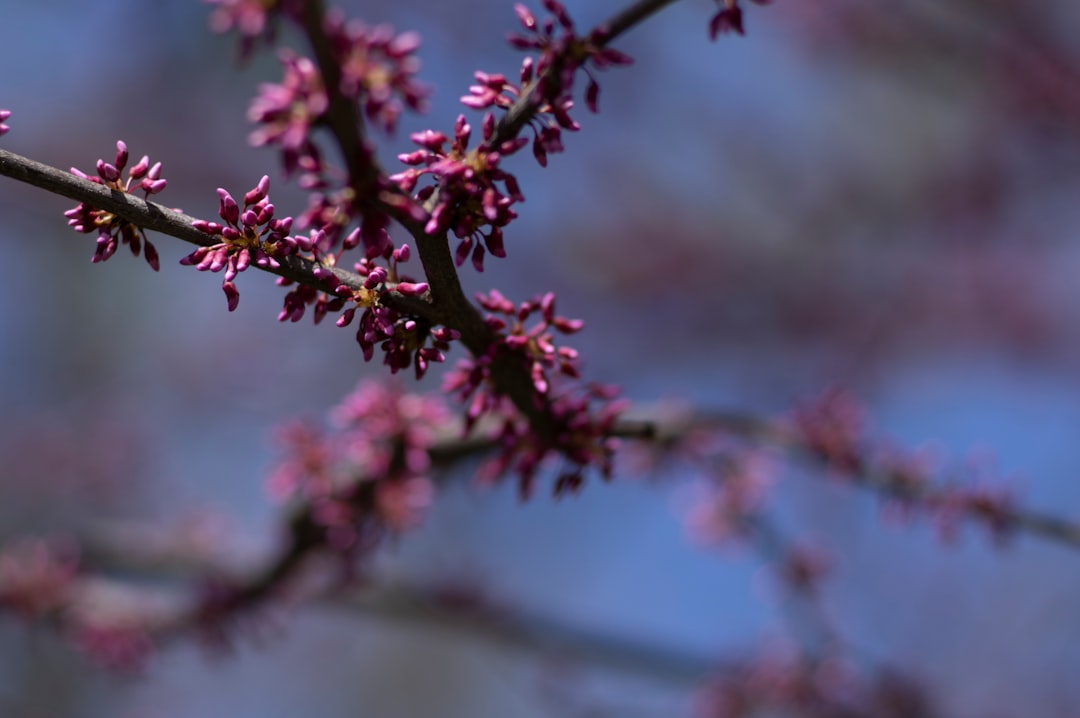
x=882 y=195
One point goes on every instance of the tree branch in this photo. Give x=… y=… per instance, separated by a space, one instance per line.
x=156 y=217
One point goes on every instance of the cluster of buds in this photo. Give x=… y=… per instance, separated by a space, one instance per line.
x=581 y=431
x=734 y=484
x=547 y=123
x=46 y=581
x=833 y=429
x=785 y=681
x=729 y=18
x=248 y=235
x=112 y=230
x=475 y=194
x=369 y=472
x=534 y=345
x=472 y=194
x=535 y=342
x=562 y=53
x=583 y=419
x=252 y=19
x=404 y=340
x=285 y=113
x=378 y=69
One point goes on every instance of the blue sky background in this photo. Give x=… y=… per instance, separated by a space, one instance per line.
x=675 y=225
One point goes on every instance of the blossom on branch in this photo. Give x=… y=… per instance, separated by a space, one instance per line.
x=785 y=681
x=248 y=235
x=368 y=473
x=113 y=230
x=4 y=115
x=729 y=18
x=551 y=75
x=582 y=416
x=547 y=122
x=472 y=194
x=252 y=19
x=475 y=194
x=562 y=54
x=285 y=114
x=735 y=485
x=378 y=69
x=405 y=341
x=833 y=430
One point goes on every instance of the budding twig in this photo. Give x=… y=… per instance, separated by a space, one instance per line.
x=156 y=217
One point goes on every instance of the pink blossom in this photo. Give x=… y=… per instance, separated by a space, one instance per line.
x=112 y=230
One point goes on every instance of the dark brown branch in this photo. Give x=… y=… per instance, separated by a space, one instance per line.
x=773 y=433
x=304 y=537
x=451 y=307
x=456 y=607
x=156 y=217
x=525 y=108
x=889 y=483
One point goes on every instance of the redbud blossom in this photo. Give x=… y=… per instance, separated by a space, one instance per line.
x=251 y=235
x=378 y=69
x=729 y=18
x=562 y=50
x=285 y=113
x=252 y=19
x=368 y=472
x=583 y=417
x=474 y=194
x=112 y=230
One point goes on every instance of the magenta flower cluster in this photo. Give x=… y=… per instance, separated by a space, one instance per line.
x=378 y=69
x=534 y=345
x=370 y=471
x=252 y=19
x=549 y=120
x=251 y=234
x=535 y=342
x=285 y=113
x=833 y=428
x=582 y=431
x=784 y=681
x=112 y=230
x=475 y=194
x=734 y=484
x=583 y=417
x=729 y=18
x=563 y=53
x=4 y=115
x=405 y=341
x=45 y=581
